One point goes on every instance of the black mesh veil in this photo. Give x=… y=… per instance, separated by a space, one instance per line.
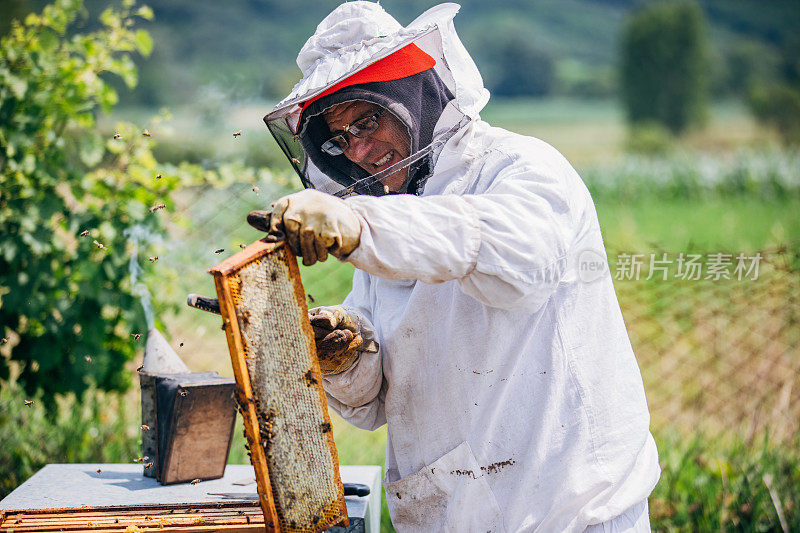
x=417 y=101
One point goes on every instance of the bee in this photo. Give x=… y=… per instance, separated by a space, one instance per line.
x=153 y=259
x=159 y=176
x=310 y=298
x=98 y=470
x=242 y=246
x=117 y=136
x=98 y=244
x=148 y=465
x=145 y=427
x=5 y=340
x=181 y=345
x=157 y=207
x=84 y=233
x=136 y=336
x=140 y=368
x=146 y=132
x=195 y=481
x=88 y=359
x=219 y=251
x=183 y=393
x=295 y=161
x=28 y=403
x=237 y=133
x=255 y=189
x=386 y=189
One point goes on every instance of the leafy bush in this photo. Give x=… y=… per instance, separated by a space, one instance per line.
x=778 y=105
x=664 y=65
x=91 y=427
x=649 y=138
x=67 y=196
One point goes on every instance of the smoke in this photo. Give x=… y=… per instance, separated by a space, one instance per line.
x=140 y=236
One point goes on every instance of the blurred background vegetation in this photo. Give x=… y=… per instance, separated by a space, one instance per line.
x=682 y=117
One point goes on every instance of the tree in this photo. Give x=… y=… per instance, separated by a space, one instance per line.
x=664 y=66
x=67 y=195
x=522 y=69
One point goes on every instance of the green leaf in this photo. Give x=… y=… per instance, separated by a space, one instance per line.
x=146 y=12
x=144 y=43
x=92 y=149
x=18 y=86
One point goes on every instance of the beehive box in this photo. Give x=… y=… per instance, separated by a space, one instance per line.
x=279 y=389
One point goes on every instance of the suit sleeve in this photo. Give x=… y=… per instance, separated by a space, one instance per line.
x=506 y=247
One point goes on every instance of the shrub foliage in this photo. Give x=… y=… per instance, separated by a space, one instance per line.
x=66 y=307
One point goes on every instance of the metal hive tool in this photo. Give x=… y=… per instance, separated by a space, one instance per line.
x=279 y=389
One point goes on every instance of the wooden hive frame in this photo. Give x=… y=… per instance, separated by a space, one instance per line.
x=279 y=389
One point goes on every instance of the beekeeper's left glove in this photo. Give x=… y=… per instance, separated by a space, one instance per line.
x=316 y=224
x=337 y=336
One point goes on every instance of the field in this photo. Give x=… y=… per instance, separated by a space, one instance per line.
x=727 y=188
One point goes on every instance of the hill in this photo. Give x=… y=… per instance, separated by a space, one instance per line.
x=245 y=49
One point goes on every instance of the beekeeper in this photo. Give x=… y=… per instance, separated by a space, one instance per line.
x=504 y=371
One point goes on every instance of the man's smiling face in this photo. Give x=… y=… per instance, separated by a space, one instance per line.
x=386 y=146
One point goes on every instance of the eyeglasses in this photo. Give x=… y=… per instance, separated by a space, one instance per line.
x=361 y=128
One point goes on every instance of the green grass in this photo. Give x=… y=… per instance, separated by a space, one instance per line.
x=709 y=485
x=718 y=224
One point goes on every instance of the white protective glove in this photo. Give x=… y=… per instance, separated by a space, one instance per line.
x=337 y=336
x=316 y=224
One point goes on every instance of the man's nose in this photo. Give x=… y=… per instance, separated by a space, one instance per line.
x=358 y=148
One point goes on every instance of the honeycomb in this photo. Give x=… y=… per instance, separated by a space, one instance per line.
x=266 y=314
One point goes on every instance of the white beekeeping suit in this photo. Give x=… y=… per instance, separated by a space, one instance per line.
x=512 y=396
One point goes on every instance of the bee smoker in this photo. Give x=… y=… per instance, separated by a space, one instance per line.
x=187 y=417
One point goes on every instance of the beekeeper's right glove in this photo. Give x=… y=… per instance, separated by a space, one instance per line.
x=316 y=224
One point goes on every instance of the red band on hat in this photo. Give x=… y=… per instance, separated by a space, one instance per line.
x=403 y=63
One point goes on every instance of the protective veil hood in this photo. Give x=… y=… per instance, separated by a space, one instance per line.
x=354 y=36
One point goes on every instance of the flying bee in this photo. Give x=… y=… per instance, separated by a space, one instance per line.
x=88 y=359
x=5 y=340
x=237 y=133
x=145 y=427
x=28 y=403
x=157 y=207
x=219 y=251
x=195 y=481
x=181 y=345
x=295 y=161
x=159 y=176
x=136 y=336
x=117 y=136
x=183 y=392
x=310 y=298
x=146 y=132
x=98 y=244
x=140 y=368
x=255 y=189
x=153 y=259
x=148 y=465
x=242 y=246
x=98 y=470
x=84 y=233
